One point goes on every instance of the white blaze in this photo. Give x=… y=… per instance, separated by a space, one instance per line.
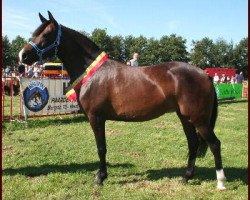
x=20 y=55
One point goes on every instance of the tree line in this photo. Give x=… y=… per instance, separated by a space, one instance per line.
x=204 y=52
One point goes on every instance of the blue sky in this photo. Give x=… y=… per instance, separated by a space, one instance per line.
x=191 y=19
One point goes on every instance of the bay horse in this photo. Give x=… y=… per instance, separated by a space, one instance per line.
x=111 y=90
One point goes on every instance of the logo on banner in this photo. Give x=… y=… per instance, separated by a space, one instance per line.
x=35 y=96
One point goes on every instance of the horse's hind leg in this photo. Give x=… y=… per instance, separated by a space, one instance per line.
x=214 y=143
x=193 y=143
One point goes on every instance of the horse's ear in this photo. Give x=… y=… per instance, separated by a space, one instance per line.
x=51 y=18
x=42 y=18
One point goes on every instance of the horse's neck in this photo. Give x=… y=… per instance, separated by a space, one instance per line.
x=76 y=52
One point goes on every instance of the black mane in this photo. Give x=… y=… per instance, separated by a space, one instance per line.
x=86 y=44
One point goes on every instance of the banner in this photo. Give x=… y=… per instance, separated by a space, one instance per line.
x=46 y=97
x=228 y=90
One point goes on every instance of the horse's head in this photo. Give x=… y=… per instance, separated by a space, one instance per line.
x=45 y=41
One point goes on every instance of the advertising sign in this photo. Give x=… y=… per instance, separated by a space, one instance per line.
x=228 y=90
x=46 y=96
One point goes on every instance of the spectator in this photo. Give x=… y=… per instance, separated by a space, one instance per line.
x=232 y=80
x=228 y=79
x=134 y=61
x=7 y=71
x=21 y=70
x=223 y=78
x=239 y=78
x=216 y=78
x=36 y=71
x=30 y=72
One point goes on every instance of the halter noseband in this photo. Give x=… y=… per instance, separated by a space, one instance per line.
x=55 y=44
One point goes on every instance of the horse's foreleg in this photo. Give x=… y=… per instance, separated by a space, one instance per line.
x=98 y=126
x=193 y=143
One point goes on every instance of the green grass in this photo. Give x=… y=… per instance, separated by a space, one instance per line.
x=56 y=158
x=16 y=108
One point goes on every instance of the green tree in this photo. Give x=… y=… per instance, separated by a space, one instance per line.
x=102 y=39
x=117 y=48
x=241 y=56
x=16 y=45
x=222 y=53
x=173 y=48
x=128 y=46
x=6 y=51
x=202 y=53
x=151 y=54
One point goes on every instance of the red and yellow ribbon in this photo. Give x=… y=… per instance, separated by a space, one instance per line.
x=81 y=80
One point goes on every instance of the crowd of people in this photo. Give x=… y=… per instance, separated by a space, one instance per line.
x=33 y=71
x=238 y=78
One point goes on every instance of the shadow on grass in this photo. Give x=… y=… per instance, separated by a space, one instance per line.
x=45 y=122
x=221 y=102
x=57 y=120
x=69 y=168
x=201 y=173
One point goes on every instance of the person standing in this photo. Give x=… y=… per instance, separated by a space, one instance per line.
x=21 y=70
x=232 y=81
x=239 y=78
x=36 y=70
x=30 y=72
x=7 y=71
x=216 y=78
x=134 y=61
x=223 y=79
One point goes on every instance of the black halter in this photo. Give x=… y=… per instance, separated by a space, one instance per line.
x=55 y=44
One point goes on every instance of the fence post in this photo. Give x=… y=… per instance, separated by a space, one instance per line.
x=3 y=97
x=11 y=99
x=20 y=104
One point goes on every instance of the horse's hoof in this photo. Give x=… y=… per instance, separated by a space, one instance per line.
x=220 y=186
x=98 y=182
x=100 y=177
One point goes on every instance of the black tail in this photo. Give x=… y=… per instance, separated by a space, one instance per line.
x=214 y=112
x=202 y=149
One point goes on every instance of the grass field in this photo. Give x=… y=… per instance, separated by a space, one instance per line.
x=56 y=158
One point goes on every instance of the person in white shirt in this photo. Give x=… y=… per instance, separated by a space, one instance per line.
x=216 y=78
x=36 y=71
x=134 y=61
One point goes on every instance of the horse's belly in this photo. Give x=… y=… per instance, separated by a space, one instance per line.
x=141 y=105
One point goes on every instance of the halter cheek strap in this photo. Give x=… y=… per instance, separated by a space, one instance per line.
x=55 y=44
